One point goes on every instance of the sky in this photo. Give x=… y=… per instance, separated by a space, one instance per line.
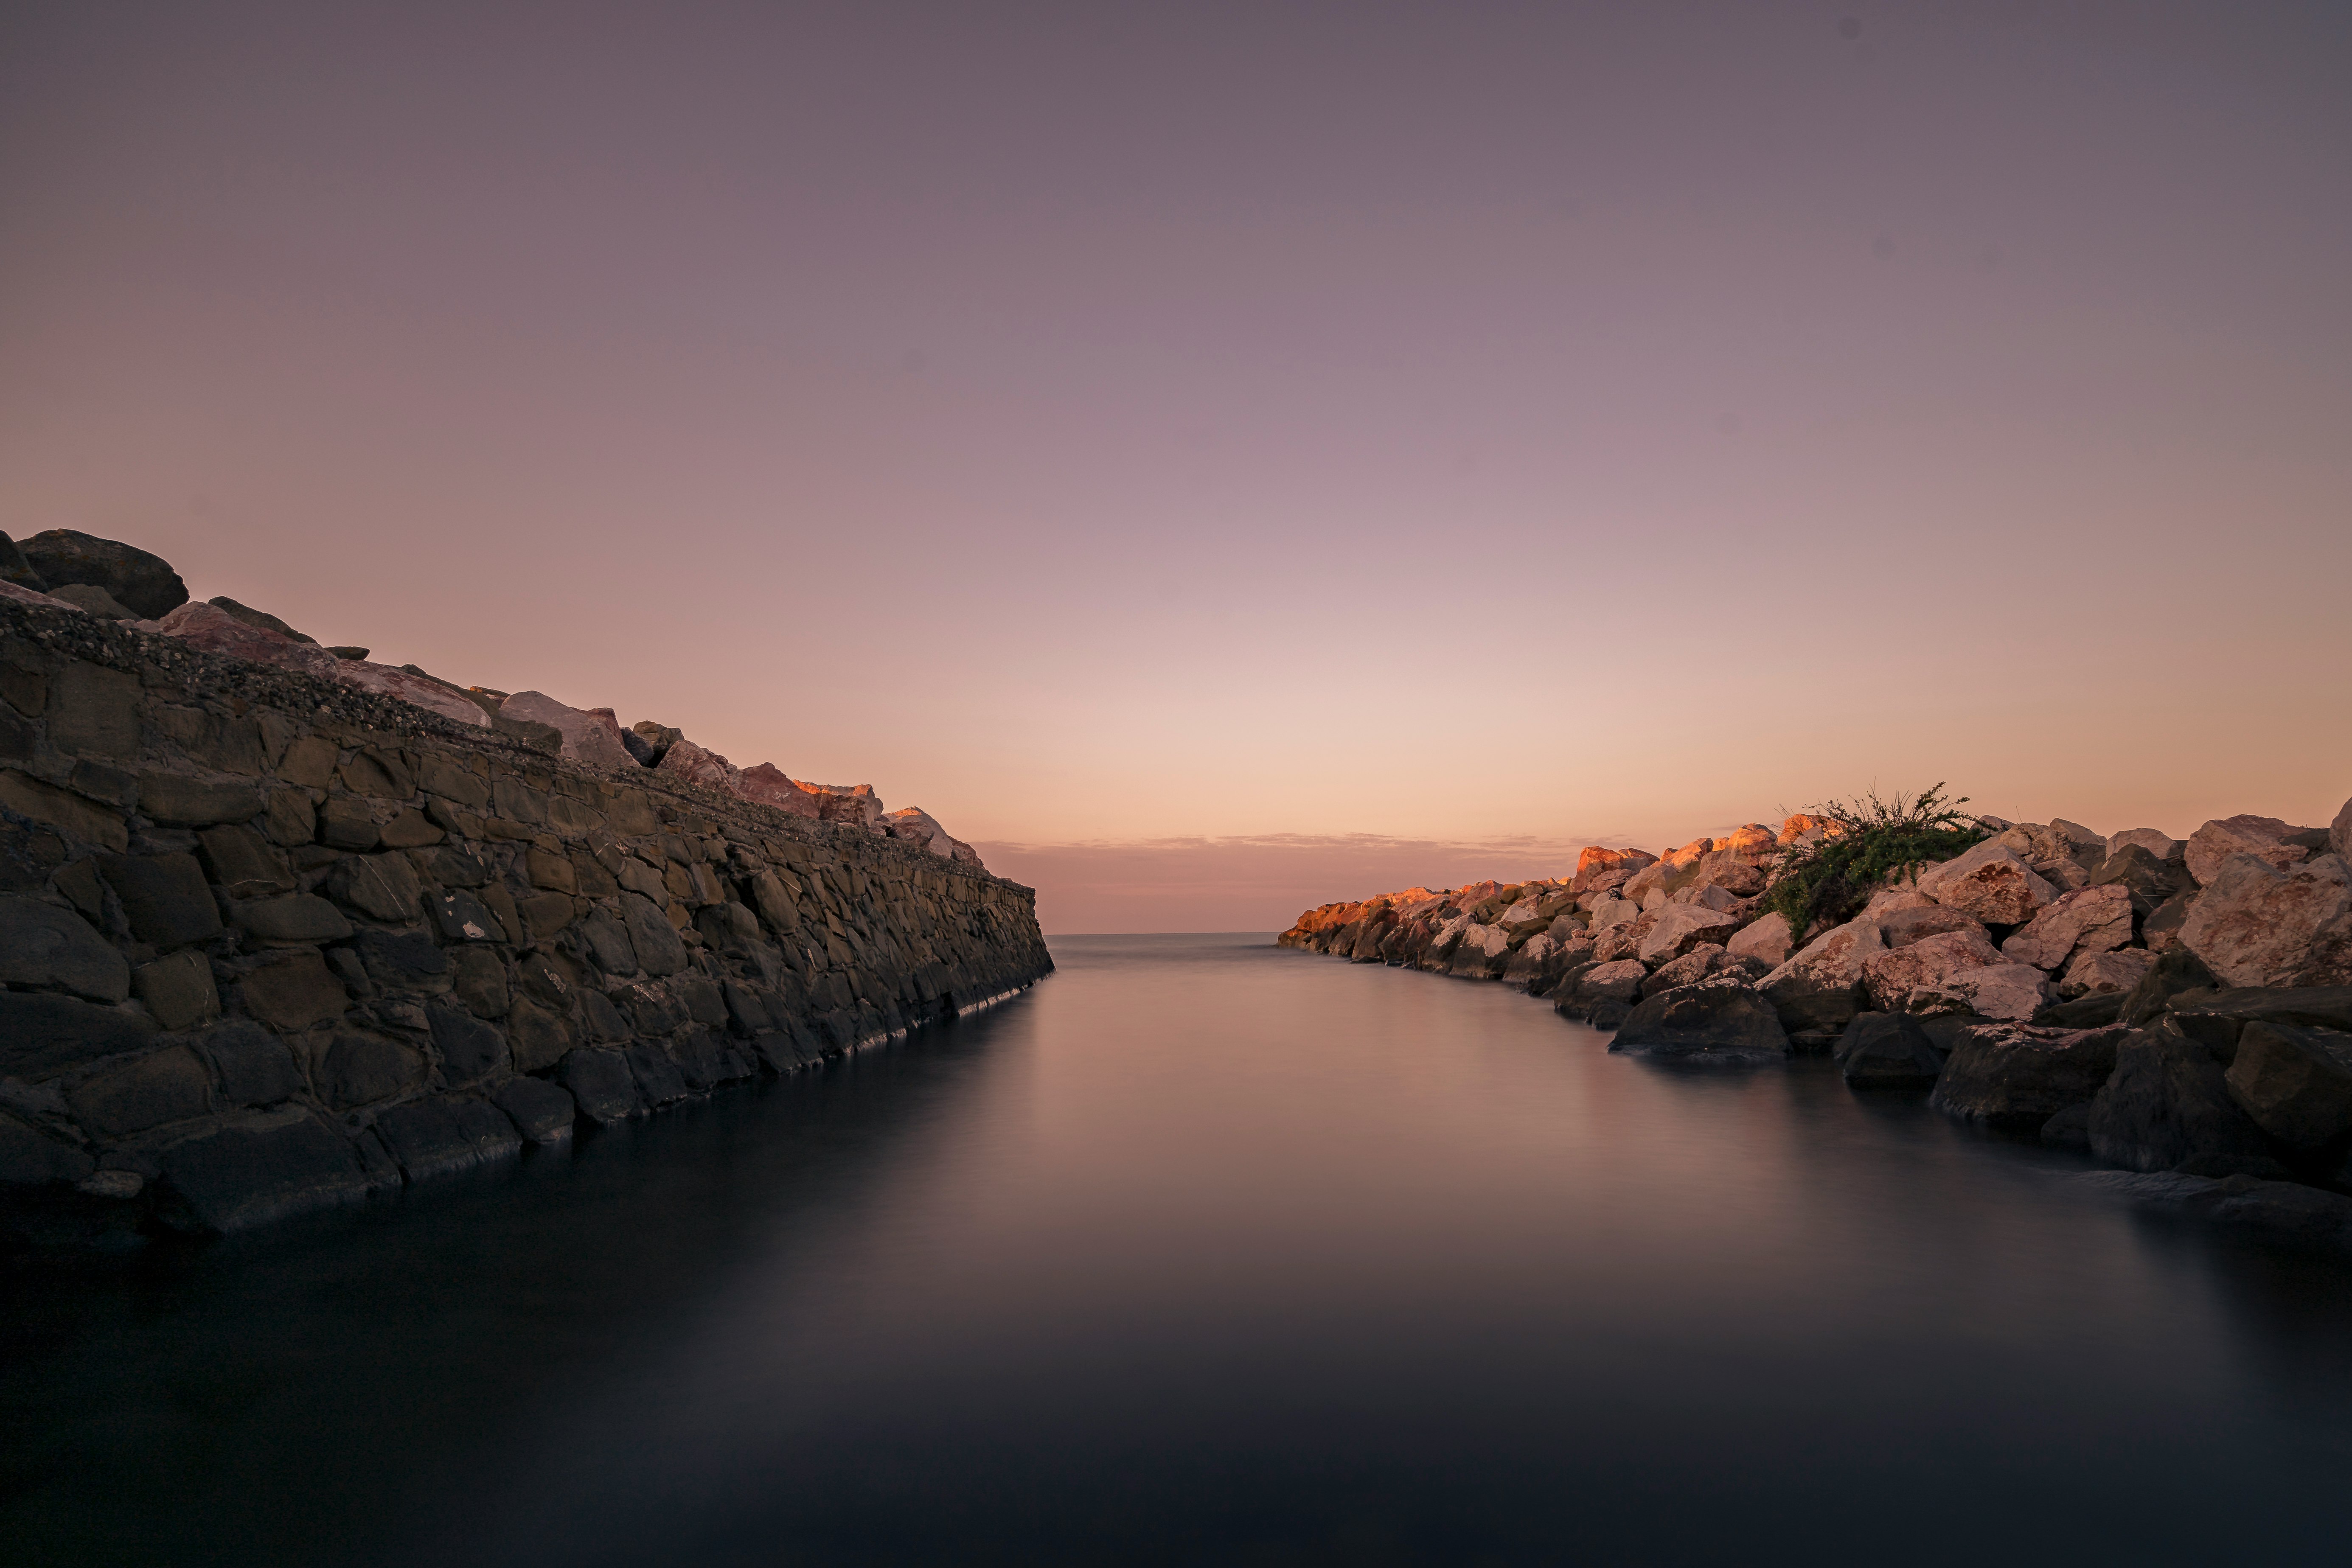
x=1221 y=459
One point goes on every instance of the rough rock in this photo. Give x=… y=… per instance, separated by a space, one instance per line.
x=543 y=1112
x=1766 y=938
x=94 y=601
x=247 y=1175
x=1619 y=980
x=1890 y=976
x=143 y=582
x=261 y=618
x=165 y=898
x=1990 y=882
x=1597 y=862
x=16 y=571
x=1677 y=928
x=1688 y=970
x=174 y=800
x=920 y=829
x=590 y=735
x=178 y=990
x=1905 y=924
x=1996 y=991
x=1714 y=1022
x=2158 y=843
x=1614 y=911
x=2254 y=924
x=770 y=786
x=1888 y=1050
x=46 y=947
x=2264 y=838
x=444 y=1135
x=1820 y=985
x=2008 y=1076
x=30 y=1158
x=2120 y=970
x=2150 y=880
x=2092 y=919
x=215 y=630
x=2294 y=1082
x=40 y=1031
x=422 y=691
x=2166 y=1103
x=693 y=763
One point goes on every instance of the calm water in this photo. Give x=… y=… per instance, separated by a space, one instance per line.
x=1205 y=1252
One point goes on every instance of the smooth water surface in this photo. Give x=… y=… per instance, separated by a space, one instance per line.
x=1207 y=1252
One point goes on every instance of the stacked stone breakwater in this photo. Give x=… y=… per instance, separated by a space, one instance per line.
x=2181 y=1009
x=272 y=942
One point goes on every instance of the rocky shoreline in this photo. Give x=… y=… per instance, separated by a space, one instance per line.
x=2179 y=1009
x=275 y=935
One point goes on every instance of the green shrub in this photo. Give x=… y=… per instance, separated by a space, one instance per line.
x=1830 y=879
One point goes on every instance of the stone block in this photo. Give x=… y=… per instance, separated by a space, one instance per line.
x=377 y=773
x=2266 y=838
x=382 y=887
x=292 y=918
x=404 y=963
x=40 y=1031
x=31 y=1158
x=250 y=1175
x=292 y=819
x=470 y=1049
x=652 y=937
x=452 y=867
x=544 y=914
x=550 y=872
x=178 y=989
x=540 y=1038
x=601 y=1083
x=80 y=821
x=360 y=1070
x=45 y=946
x=459 y=916
x=2166 y=1103
x=500 y=902
x=541 y=1111
x=254 y=1066
x=1887 y=1050
x=603 y=1019
x=2296 y=1082
x=346 y=823
x=169 y=1086
x=439 y=1137
x=174 y=800
x=310 y=761
x=408 y=829
x=95 y=711
x=2007 y=1076
x=452 y=781
x=481 y=982
x=242 y=864
x=518 y=802
x=164 y=897
x=297 y=991
x=2254 y=924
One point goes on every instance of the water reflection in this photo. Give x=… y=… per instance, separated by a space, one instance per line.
x=1209 y=1252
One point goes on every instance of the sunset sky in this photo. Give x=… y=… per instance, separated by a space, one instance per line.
x=1221 y=459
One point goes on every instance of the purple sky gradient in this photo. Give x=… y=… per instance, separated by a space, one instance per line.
x=1115 y=428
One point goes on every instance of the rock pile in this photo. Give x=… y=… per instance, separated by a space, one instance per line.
x=273 y=939
x=115 y=582
x=2169 y=1005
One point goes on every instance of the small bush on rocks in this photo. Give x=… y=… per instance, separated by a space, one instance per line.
x=1868 y=839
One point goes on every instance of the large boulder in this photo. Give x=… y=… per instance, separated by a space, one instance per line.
x=2339 y=833
x=1480 y=953
x=698 y=764
x=2264 y=838
x=2094 y=973
x=46 y=946
x=2015 y=1077
x=1888 y=1050
x=261 y=618
x=2296 y=1083
x=2091 y=920
x=920 y=829
x=1996 y=991
x=1609 y=911
x=1766 y=938
x=1990 y=882
x=1821 y=986
x=2151 y=880
x=589 y=734
x=1675 y=929
x=1902 y=924
x=215 y=630
x=855 y=805
x=1597 y=862
x=2255 y=923
x=770 y=786
x=1891 y=975
x=2156 y=841
x=1713 y=1023
x=2166 y=1102
x=143 y=582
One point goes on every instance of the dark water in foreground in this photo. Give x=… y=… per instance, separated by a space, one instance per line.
x=1205 y=1252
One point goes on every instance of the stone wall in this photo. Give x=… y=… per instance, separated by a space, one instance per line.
x=271 y=943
